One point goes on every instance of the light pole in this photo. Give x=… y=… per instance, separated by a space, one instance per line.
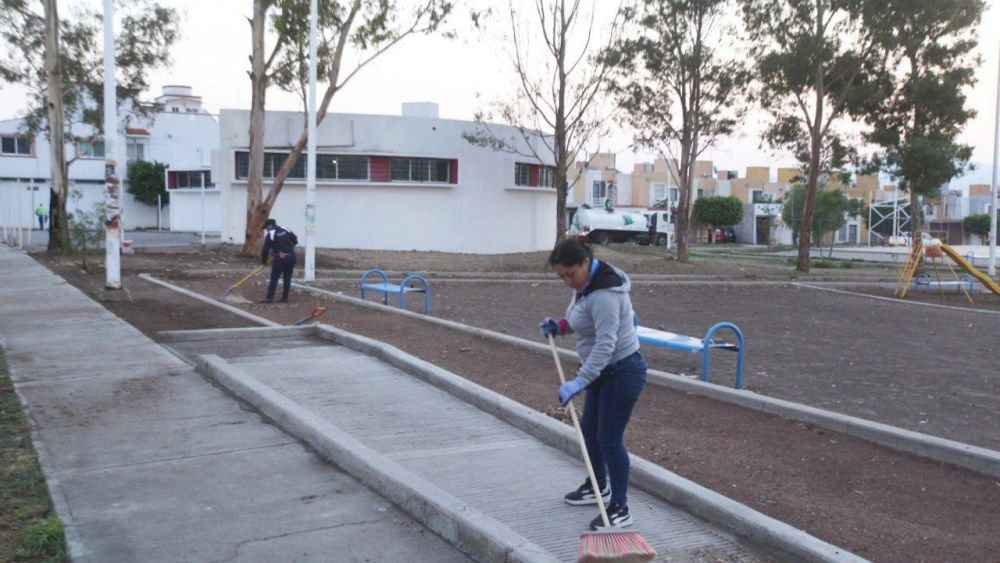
x=112 y=186
x=310 y=269
x=994 y=195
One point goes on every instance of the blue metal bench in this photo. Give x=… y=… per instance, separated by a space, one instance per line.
x=401 y=289
x=694 y=345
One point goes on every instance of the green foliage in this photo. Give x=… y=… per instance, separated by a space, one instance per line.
x=830 y=211
x=87 y=229
x=718 y=211
x=797 y=59
x=44 y=538
x=978 y=224
x=916 y=98
x=145 y=182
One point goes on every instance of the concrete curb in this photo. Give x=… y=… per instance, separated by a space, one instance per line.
x=216 y=334
x=738 y=518
x=473 y=532
x=981 y=460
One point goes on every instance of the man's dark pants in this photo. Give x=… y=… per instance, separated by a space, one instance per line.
x=281 y=267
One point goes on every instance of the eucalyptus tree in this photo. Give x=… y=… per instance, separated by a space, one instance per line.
x=554 y=51
x=810 y=57
x=680 y=81
x=361 y=29
x=60 y=64
x=916 y=101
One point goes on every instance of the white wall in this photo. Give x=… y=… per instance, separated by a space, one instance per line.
x=483 y=213
x=185 y=211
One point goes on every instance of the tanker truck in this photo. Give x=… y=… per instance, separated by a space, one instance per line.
x=601 y=226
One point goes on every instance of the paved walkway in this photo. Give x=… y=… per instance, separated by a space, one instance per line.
x=477 y=458
x=147 y=461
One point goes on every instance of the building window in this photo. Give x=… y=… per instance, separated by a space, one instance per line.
x=522 y=174
x=90 y=149
x=701 y=192
x=659 y=192
x=420 y=170
x=15 y=144
x=599 y=192
x=675 y=194
x=546 y=176
x=191 y=179
x=135 y=151
x=328 y=166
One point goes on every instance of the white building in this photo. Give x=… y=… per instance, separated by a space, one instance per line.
x=179 y=133
x=409 y=182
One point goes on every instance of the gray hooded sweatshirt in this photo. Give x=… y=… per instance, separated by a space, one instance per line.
x=602 y=319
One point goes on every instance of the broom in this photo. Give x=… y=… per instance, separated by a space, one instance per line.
x=623 y=547
x=245 y=278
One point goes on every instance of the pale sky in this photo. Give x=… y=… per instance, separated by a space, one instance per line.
x=461 y=75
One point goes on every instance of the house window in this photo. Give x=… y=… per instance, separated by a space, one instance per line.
x=599 y=192
x=191 y=179
x=328 y=166
x=15 y=144
x=701 y=192
x=675 y=194
x=135 y=151
x=546 y=177
x=420 y=170
x=659 y=192
x=522 y=174
x=90 y=149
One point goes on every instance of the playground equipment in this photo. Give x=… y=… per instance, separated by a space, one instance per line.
x=906 y=280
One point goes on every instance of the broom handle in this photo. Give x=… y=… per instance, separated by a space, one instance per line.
x=579 y=438
x=246 y=277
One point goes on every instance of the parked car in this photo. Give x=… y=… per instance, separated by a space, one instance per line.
x=725 y=234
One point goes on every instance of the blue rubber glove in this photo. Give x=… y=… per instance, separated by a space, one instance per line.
x=571 y=389
x=549 y=327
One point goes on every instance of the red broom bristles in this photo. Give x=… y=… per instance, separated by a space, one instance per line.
x=620 y=547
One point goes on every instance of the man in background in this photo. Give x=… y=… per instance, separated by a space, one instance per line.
x=279 y=244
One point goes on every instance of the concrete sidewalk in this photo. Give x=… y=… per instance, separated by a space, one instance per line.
x=492 y=467
x=147 y=461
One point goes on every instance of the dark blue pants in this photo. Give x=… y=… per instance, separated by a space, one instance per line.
x=281 y=267
x=606 y=412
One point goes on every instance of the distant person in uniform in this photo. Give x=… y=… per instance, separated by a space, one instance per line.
x=279 y=243
x=43 y=214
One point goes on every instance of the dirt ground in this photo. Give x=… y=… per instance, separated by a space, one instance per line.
x=846 y=353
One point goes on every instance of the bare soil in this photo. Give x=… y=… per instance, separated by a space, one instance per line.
x=916 y=367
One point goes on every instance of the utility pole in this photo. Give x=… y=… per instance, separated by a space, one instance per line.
x=994 y=194
x=310 y=269
x=112 y=186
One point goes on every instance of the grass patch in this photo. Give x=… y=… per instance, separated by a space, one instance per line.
x=29 y=528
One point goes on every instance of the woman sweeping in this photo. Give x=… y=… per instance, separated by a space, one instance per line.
x=613 y=370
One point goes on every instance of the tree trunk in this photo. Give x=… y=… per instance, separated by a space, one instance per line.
x=58 y=224
x=682 y=219
x=256 y=212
